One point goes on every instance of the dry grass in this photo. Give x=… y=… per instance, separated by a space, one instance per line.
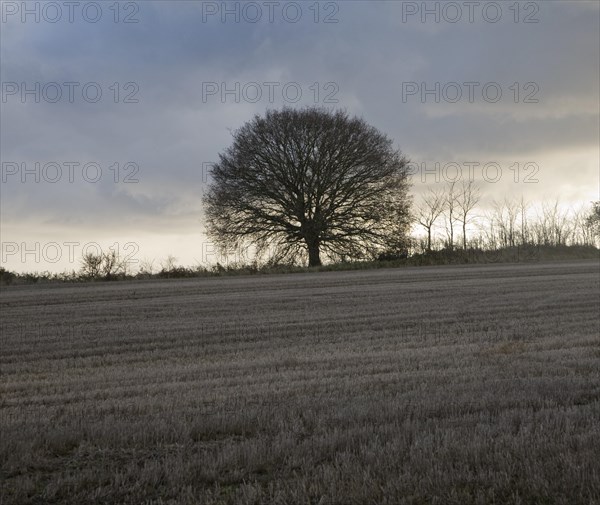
x=448 y=385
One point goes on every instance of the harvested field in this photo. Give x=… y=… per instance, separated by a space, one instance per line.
x=448 y=385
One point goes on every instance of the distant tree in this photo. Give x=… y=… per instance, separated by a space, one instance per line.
x=91 y=265
x=111 y=265
x=523 y=224
x=429 y=210
x=466 y=200
x=146 y=267
x=309 y=182
x=169 y=263
x=553 y=226
x=504 y=220
x=104 y=265
x=451 y=208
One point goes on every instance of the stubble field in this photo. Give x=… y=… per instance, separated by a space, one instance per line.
x=441 y=385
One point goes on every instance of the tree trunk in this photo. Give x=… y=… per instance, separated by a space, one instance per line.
x=314 y=257
x=429 y=239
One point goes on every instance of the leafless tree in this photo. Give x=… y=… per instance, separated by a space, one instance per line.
x=91 y=265
x=466 y=201
x=310 y=181
x=104 y=265
x=504 y=217
x=429 y=210
x=553 y=226
x=169 y=263
x=147 y=267
x=111 y=264
x=451 y=208
x=561 y=224
x=524 y=233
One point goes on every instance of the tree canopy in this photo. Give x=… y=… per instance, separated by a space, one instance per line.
x=309 y=183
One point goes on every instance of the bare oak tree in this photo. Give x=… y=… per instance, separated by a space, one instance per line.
x=300 y=181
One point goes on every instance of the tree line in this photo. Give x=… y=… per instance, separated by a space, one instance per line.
x=450 y=217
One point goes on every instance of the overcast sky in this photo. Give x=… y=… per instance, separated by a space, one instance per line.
x=505 y=85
